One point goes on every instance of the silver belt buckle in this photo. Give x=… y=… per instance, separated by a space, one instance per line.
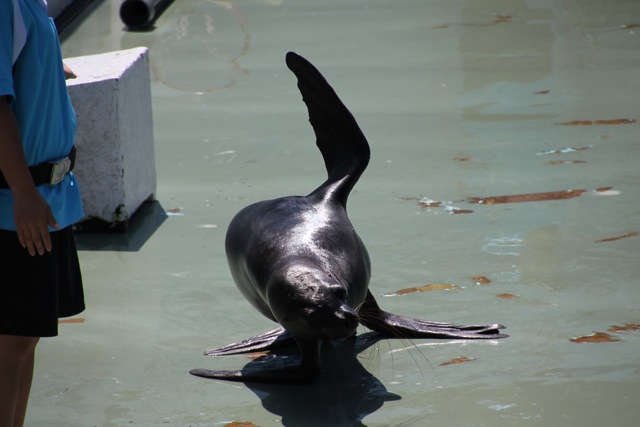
x=59 y=170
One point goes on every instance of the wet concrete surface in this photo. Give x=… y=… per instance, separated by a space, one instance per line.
x=459 y=100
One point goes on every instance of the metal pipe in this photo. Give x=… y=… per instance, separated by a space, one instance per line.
x=139 y=13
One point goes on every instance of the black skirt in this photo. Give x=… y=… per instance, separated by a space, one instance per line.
x=36 y=291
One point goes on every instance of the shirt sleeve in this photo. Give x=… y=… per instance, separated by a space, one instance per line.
x=6 y=48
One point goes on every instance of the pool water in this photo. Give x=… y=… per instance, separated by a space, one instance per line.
x=504 y=167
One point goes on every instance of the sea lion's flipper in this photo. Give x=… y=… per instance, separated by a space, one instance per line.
x=344 y=147
x=395 y=326
x=271 y=340
x=275 y=370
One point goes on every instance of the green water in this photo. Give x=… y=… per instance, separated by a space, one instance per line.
x=458 y=99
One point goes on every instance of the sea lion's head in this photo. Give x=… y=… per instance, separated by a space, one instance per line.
x=311 y=304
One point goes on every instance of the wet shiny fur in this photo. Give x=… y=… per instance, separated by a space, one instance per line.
x=299 y=261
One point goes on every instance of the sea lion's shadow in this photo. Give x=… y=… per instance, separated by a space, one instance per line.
x=342 y=395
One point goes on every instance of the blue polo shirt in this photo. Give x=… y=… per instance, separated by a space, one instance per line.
x=41 y=104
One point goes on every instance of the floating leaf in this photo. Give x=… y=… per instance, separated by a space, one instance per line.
x=606 y=191
x=542 y=92
x=502 y=18
x=72 y=320
x=175 y=212
x=532 y=197
x=507 y=296
x=240 y=424
x=425 y=288
x=596 y=337
x=564 y=162
x=564 y=150
x=457 y=211
x=256 y=355
x=498 y=19
x=625 y=327
x=427 y=203
x=629 y=26
x=615 y=122
x=481 y=280
x=462 y=158
x=611 y=239
x=457 y=360
x=598 y=122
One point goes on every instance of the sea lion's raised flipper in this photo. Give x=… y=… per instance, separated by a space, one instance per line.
x=271 y=340
x=343 y=146
x=394 y=326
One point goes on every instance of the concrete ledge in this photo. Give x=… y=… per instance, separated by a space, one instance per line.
x=115 y=162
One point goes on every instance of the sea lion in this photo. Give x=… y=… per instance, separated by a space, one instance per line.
x=299 y=261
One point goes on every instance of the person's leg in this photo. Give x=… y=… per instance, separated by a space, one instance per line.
x=16 y=372
x=34 y=293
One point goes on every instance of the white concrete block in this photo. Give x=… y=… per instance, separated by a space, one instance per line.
x=115 y=162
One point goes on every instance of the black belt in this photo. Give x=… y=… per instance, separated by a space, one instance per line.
x=49 y=173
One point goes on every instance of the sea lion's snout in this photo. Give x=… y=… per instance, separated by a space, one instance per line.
x=322 y=322
x=344 y=323
x=332 y=322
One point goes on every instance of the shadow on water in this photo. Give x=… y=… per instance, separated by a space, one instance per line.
x=142 y=225
x=343 y=395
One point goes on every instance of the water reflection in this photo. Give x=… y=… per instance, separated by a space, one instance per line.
x=197 y=46
x=343 y=395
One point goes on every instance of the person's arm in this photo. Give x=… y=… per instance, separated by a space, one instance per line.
x=31 y=212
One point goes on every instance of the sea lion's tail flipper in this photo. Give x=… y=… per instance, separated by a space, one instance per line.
x=344 y=148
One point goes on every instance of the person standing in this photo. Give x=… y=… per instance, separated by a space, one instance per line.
x=40 y=278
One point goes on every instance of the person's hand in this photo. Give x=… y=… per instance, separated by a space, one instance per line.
x=32 y=216
x=68 y=72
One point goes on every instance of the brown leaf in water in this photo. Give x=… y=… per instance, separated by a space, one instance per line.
x=457 y=211
x=577 y=123
x=72 y=320
x=430 y=204
x=598 y=122
x=564 y=162
x=502 y=18
x=462 y=158
x=457 y=360
x=531 y=197
x=241 y=424
x=174 y=210
x=542 y=92
x=425 y=288
x=625 y=327
x=498 y=19
x=596 y=337
x=611 y=239
x=507 y=296
x=615 y=122
x=256 y=355
x=565 y=150
x=629 y=26
x=481 y=280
